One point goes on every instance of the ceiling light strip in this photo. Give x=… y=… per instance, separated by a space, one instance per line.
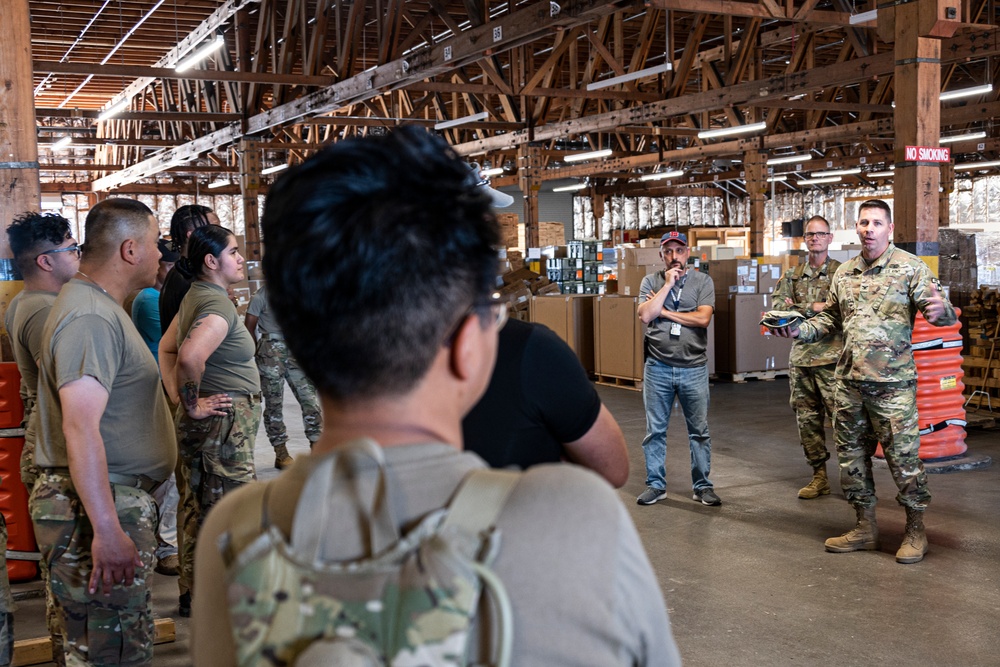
x=631 y=76
x=471 y=118
x=729 y=131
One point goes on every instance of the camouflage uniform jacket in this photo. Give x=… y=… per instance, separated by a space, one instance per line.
x=805 y=285
x=875 y=306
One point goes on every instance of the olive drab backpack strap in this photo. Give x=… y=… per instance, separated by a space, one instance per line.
x=314 y=507
x=474 y=510
x=248 y=524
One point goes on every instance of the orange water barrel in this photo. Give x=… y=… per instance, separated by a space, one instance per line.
x=11 y=407
x=937 y=352
x=14 y=505
x=940 y=403
x=13 y=495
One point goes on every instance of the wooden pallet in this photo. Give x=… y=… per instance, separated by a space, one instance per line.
x=983 y=419
x=623 y=383
x=753 y=375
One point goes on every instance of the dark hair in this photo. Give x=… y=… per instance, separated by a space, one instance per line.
x=376 y=247
x=876 y=203
x=186 y=219
x=206 y=240
x=32 y=233
x=112 y=221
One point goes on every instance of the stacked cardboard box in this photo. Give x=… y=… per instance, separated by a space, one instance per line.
x=734 y=276
x=549 y=233
x=571 y=317
x=741 y=347
x=618 y=335
x=509 y=223
x=519 y=286
x=634 y=263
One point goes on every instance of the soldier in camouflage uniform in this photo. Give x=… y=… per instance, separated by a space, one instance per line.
x=276 y=366
x=48 y=257
x=206 y=358
x=91 y=507
x=804 y=289
x=873 y=299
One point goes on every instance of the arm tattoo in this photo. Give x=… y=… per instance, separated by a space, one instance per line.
x=189 y=395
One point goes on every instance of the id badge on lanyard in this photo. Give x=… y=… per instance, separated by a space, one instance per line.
x=675 y=327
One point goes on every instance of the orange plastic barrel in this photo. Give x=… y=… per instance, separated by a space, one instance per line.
x=937 y=352
x=13 y=495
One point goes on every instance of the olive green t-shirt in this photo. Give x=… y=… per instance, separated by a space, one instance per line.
x=25 y=319
x=88 y=333
x=230 y=368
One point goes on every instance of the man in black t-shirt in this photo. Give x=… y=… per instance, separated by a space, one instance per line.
x=540 y=407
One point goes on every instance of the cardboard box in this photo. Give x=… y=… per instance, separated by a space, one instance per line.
x=619 y=236
x=618 y=335
x=631 y=256
x=768 y=276
x=729 y=273
x=740 y=347
x=571 y=317
x=630 y=278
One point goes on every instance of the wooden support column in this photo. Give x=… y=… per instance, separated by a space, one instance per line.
x=947 y=187
x=20 y=189
x=529 y=179
x=917 y=28
x=755 y=174
x=250 y=187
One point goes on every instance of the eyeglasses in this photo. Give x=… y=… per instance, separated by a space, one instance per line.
x=70 y=248
x=498 y=315
x=812 y=235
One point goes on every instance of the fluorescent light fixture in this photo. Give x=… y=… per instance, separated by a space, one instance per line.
x=275 y=169
x=736 y=129
x=777 y=179
x=201 y=54
x=62 y=143
x=967 y=166
x=864 y=17
x=114 y=110
x=967 y=92
x=880 y=174
x=659 y=176
x=221 y=183
x=631 y=76
x=472 y=118
x=820 y=181
x=962 y=137
x=570 y=188
x=836 y=172
x=788 y=159
x=495 y=171
x=592 y=155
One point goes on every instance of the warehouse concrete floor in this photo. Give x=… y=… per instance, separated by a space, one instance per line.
x=748 y=583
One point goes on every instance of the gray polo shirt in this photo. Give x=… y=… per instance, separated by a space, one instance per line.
x=688 y=349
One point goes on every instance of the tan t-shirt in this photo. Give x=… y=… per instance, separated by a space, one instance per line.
x=582 y=589
x=88 y=333
x=230 y=368
x=25 y=320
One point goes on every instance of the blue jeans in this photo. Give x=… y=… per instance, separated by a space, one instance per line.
x=661 y=384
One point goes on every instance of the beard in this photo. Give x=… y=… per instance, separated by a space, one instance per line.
x=676 y=265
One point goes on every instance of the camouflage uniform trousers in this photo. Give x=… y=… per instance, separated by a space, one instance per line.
x=276 y=365
x=6 y=602
x=100 y=630
x=29 y=471
x=812 y=394
x=216 y=457
x=869 y=413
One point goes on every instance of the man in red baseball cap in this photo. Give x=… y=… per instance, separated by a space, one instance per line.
x=677 y=305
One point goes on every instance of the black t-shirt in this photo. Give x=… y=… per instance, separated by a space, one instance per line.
x=175 y=286
x=538 y=398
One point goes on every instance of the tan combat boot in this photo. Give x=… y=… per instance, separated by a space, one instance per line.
x=914 y=544
x=281 y=457
x=819 y=486
x=863 y=537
